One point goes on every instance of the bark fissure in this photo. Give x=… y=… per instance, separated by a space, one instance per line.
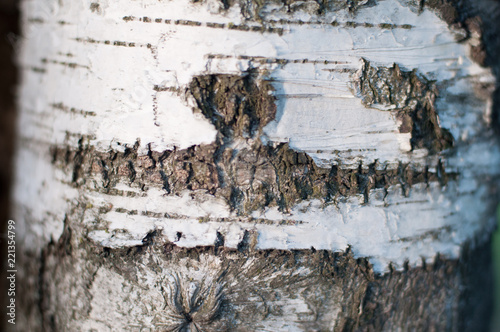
x=280 y=177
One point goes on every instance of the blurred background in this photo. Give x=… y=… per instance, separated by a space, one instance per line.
x=9 y=35
x=9 y=31
x=495 y=324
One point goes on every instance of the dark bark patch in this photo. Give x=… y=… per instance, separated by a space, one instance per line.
x=248 y=286
x=256 y=10
x=445 y=9
x=248 y=179
x=64 y=246
x=192 y=308
x=77 y=161
x=95 y=7
x=238 y=106
x=412 y=97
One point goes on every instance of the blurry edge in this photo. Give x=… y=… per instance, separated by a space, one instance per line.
x=495 y=248
x=9 y=30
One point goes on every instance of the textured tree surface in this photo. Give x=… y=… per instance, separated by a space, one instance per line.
x=256 y=166
x=216 y=289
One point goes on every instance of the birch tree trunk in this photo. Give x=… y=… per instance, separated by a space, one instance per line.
x=256 y=165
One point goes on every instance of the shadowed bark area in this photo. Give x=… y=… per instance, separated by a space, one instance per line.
x=390 y=300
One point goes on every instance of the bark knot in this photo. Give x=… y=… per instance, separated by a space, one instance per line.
x=191 y=306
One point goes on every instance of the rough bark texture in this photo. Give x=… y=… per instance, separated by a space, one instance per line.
x=217 y=289
x=414 y=100
x=116 y=256
x=260 y=175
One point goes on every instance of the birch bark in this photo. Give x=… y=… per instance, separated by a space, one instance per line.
x=247 y=165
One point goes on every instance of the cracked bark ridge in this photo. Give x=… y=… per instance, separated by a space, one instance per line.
x=257 y=10
x=252 y=175
x=413 y=99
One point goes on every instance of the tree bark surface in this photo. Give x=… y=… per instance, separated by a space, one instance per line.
x=256 y=166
